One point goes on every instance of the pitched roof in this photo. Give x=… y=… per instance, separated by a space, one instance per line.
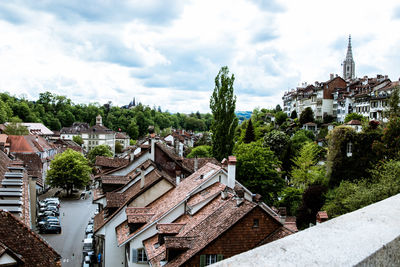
x=76 y=128
x=354 y=122
x=30 y=246
x=111 y=162
x=28 y=144
x=98 y=129
x=170 y=199
x=121 y=135
x=190 y=162
x=121 y=197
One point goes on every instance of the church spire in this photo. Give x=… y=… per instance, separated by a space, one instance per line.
x=348 y=63
x=349 y=55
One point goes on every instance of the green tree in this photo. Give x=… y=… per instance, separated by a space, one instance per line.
x=394 y=101
x=200 y=152
x=257 y=169
x=350 y=196
x=280 y=117
x=101 y=150
x=293 y=115
x=306 y=172
x=222 y=104
x=278 y=108
x=306 y=116
x=118 y=147
x=290 y=198
x=249 y=135
x=353 y=116
x=133 y=130
x=77 y=139
x=68 y=170
x=278 y=142
x=16 y=128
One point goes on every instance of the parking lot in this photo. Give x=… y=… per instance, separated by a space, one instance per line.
x=74 y=218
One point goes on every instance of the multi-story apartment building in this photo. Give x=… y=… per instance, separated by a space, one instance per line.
x=341 y=96
x=97 y=135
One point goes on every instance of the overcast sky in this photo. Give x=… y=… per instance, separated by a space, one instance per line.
x=167 y=53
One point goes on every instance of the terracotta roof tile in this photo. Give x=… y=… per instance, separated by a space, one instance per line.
x=20 y=239
x=111 y=162
x=172 y=197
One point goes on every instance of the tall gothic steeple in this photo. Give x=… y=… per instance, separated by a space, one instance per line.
x=348 y=63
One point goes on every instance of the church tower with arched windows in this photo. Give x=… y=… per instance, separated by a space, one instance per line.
x=348 y=63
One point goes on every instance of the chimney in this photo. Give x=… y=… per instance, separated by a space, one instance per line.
x=152 y=147
x=196 y=164
x=178 y=177
x=224 y=193
x=322 y=216
x=331 y=76
x=141 y=177
x=231 y=171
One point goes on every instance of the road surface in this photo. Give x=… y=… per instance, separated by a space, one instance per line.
x=74 y=217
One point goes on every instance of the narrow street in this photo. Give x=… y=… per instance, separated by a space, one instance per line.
x=74 y=217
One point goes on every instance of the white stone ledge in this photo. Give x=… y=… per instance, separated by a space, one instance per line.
x=356 y=238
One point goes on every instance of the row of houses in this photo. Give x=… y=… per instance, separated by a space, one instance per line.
x=338 y=97
x=161 y=209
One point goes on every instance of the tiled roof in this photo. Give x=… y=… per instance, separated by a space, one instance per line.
x=121 y=135
x=20 y=239
x=98 y=129
x=33 y=164
x=132 y=192
x=37 y=128
x=205 y=226
x=97 y=194
x=115 y=179
x=354 y=122
x=111 y=162
x=76 y=128
x=19 y=144
x=172 y=155
x=189 y=163
x=170 y=199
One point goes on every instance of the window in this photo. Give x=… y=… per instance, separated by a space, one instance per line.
x=210 y=259
x=139 y=255
x=256 y=223
x=349 y=149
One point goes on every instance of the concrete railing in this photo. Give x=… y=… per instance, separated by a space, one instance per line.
x=367 y=237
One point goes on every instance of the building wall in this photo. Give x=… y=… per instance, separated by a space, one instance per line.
x=152 y=194
x=239 y=238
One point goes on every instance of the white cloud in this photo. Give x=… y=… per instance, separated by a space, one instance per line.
x=169 y=54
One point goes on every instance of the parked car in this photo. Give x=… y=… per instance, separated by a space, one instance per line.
x=50 y=228
x=89 y=229
x=53 y=209
x=46 y=213
x=49 y=219
x=90 y=235
x=87 y=247
x=91 y=221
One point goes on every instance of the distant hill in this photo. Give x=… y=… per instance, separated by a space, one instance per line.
x=243 y=115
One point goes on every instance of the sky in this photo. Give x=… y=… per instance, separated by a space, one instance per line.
x=167 y=53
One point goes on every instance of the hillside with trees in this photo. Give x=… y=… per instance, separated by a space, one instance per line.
x=56 y=112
